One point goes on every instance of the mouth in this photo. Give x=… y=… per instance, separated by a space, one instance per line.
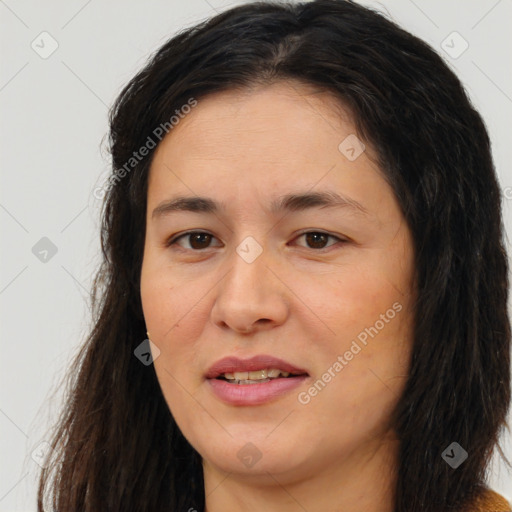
x=258 y=376
x=255 y=369
x=253 y=381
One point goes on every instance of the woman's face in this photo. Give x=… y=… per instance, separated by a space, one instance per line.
x=304 y=257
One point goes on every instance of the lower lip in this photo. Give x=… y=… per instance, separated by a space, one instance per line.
x=254 y=394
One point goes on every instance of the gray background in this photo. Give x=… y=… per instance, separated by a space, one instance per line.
x=54 y=117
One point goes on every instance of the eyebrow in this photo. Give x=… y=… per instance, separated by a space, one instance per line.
x=288 y=202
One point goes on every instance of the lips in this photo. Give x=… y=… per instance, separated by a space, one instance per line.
x=259 y=362
x=243 y=392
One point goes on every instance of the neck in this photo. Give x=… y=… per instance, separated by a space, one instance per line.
x=359 y=482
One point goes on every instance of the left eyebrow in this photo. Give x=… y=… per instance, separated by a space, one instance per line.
x=288 y=202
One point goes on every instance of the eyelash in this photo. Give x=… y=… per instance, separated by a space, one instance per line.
x=172 y=241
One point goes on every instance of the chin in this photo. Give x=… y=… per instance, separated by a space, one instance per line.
x=258 y=458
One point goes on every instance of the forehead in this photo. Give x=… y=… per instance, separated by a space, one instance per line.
x=282 y=118
x=277 y=139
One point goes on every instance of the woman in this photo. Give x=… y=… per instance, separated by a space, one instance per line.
x=304 y=217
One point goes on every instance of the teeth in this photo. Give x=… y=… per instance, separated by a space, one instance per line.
x=256 y=376
x=249 y=381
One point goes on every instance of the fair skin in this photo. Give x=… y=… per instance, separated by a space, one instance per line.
x=304 y=299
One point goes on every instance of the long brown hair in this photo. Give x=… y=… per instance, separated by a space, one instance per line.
x=116 y=446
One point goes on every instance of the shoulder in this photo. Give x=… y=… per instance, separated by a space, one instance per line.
x=490 y=501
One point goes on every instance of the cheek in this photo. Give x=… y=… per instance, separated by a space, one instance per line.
x=357 y=299
x=174 y=316
x=378 y=280
x=165 y=300
x=371 y=320
x=178 y=390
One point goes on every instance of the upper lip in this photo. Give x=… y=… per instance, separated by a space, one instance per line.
x=260 y=362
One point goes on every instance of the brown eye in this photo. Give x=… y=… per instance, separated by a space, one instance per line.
x=317 y=239
x=198 y=240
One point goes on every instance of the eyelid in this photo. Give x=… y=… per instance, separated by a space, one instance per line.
x=174 y=238
x=339 y=239
x=322 y=232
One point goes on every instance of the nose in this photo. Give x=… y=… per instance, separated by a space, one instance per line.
x=250 y=297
